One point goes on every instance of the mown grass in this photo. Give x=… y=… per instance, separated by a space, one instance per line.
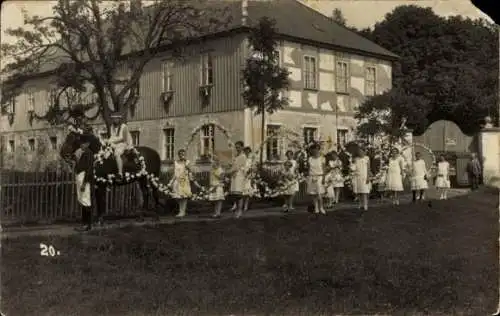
x=392 y=260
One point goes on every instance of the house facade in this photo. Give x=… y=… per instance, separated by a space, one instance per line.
x=196 y=103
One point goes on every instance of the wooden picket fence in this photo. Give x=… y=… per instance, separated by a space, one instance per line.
x=50 y=196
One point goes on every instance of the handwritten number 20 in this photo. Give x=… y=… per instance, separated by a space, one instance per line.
x=47 y=250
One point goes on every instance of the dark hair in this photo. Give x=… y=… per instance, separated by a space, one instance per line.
x=247 y=149
x=314 y=146
x=240 y=143
x=289 y=152
x=181 y=151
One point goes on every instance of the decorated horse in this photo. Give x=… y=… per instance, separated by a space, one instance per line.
x=140 y=164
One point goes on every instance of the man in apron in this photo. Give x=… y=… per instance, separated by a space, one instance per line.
x=121 y=140
x=84 y=170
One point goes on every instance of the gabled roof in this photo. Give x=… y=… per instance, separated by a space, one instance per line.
x=297 y=20
x=294 y=20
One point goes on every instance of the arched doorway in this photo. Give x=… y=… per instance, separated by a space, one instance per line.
x=446 y=137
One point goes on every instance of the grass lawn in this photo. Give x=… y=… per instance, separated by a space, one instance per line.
x=391 y=260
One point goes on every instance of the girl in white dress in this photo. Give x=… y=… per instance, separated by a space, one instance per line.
x=238 y=177
x=288 y=190
x=180 y=183
x=338 y=180
x=394 y=180
x=216 y=187
x=293 y=185
x=248 y=185
x=443 y=178
x=315 y=181
x=361 y=178
x=419 y=178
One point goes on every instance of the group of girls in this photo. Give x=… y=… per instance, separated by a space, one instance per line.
x=240 y=176
x=324 y=179
x=392 y=177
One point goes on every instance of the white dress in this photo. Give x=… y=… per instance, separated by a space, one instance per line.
x=419 y=173
x=394 y=179
x=216 y=185
x=337 y=178
x=288 y=185
x=443 y=175
x=315 y=178
x=360 y=182
x=239 y=175
x=181 y=185
x=247 y=187
x=294 y=185
x=121 y=132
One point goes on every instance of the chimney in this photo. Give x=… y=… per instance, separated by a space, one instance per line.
x=244 y=12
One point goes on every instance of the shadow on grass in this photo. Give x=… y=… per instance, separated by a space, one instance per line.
x=404 y=260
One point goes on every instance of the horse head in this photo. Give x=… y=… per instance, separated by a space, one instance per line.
x=74 y=141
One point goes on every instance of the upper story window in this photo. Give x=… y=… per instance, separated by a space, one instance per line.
x=278 y=57
x=167 y=76
x=207 y=72
x=310 y=73
x=51 y=97
x=207 y=140
x=53 y=142
x=11 y=106
x=31 y=144
x=31 y=101
x=11 y=147
x=342 y=77
x=370 y=81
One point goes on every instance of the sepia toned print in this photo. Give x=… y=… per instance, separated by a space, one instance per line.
x=245 y=157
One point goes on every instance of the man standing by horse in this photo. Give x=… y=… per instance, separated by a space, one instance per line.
x=84 y=172
x=121 y=140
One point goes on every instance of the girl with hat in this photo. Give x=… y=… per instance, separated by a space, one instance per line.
x=121 y=139
x=394 y=178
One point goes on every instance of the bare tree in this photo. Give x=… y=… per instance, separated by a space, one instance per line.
x=102 y=47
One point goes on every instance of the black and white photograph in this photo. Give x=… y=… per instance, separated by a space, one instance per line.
x=249 y=157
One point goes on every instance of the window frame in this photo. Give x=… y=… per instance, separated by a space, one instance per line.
x=136 y=137
x=370 y=81
x=53 y=144
x=344 y=77
x=342 y=131
x=206 y=69
x=168 y=144
x=11 y=146
x=310 y=127
x=207 y=132
x=270 y=139
x=31 y=100
x=308 y=74
x=167 y=76
x=31 y=144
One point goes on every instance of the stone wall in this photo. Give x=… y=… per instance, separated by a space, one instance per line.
x=489 y=146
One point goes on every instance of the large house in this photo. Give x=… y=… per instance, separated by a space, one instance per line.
x=332 y=70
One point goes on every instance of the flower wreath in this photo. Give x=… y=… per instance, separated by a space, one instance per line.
x=75 y=129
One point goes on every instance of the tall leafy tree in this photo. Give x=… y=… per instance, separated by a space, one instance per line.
x=102 y=48
x=449 y=64
x=264 y=79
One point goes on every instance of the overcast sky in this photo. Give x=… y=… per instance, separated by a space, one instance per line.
x=359 y=13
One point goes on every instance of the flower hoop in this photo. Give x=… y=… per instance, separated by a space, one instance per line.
x=427 y=149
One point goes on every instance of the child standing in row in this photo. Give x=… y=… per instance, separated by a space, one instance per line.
x=291 y=182
x=443 y=178
x=315 y=181
x=216 y=187
x=334 y=181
